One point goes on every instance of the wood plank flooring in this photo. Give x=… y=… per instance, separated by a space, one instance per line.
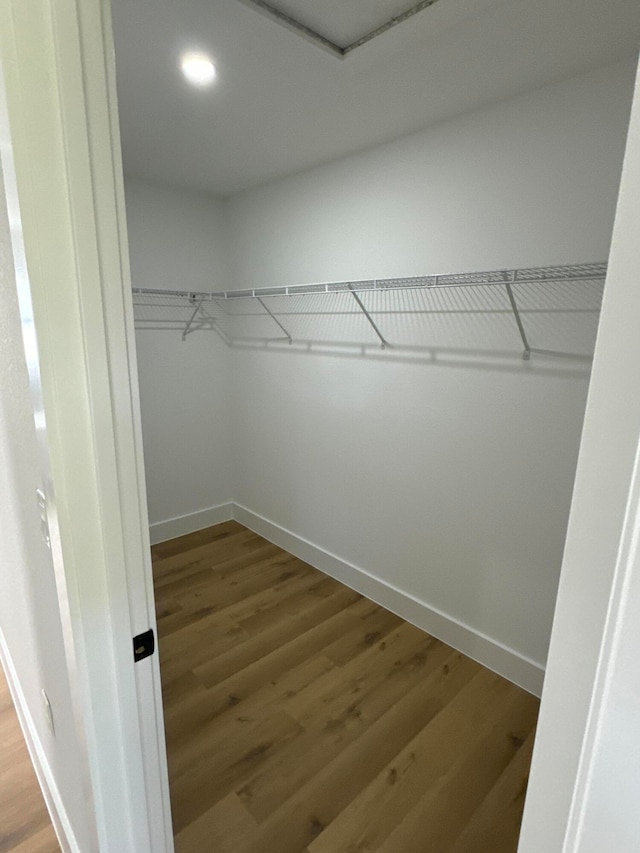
x=25 y=826
x=303 y=718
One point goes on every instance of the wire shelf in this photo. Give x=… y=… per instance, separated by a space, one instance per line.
x=552 y=308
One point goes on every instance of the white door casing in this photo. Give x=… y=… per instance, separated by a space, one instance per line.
x=585 y=776
x=59 y=79
x=51 y=562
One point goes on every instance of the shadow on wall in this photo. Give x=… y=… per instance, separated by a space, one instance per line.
x=543 y=363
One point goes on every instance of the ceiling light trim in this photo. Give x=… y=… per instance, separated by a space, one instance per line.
x=322 y=41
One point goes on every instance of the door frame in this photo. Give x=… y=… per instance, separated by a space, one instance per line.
x=59 y=81
x=584 y=689
x=59 y=72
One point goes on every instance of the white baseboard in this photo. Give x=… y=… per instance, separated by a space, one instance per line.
x=173 y=527
x=53 y=800
x=499 y=658
x=519 y=669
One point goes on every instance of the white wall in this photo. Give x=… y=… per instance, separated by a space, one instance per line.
x=531 y=180
x=178 y=241
x=451 y=483
x=31 y=642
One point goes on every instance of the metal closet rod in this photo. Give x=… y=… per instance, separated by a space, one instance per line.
x=494 y=278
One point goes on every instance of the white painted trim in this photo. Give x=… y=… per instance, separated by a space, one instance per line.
x=160 y=531
x=625 y=572
x=582 y=792
x=46 y=779
x=60 y=86
x=487 y=651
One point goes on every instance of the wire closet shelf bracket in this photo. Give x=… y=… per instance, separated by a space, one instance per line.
x=521 y=293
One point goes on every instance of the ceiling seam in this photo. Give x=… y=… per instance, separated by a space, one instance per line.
x=317 y=38
x=390 y=24
x=296 y=26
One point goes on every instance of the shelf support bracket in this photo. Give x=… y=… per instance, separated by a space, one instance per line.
x=192 y=299
x=526 y=355
x=214 y=325
x=383 y=343
x=275 y=319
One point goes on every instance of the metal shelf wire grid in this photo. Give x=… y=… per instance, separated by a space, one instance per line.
x=544 y=307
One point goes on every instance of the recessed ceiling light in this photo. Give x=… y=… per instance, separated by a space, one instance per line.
x=198 y=69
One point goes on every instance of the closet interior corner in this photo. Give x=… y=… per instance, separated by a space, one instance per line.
x=368 y=248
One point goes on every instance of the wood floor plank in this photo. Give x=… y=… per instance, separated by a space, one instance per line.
x=219 y=634
x=452 y=800
x=240 y=544
x=273 y=567
x=256 y=589
x=397 y=653
x=218 y=829
x=203 y=571
x=326 y=737
x=267 y=669
x=495 y=826
x=25 y=826
x=385 y=801
x=184 y=584
x=296 y=599
x=226 y=593
x=166 y=607
x=43 y=841
x=302 y=718
x=375 y=626
x=220 y=762
x=285 y=631
x=180 y=654
x=232 y=735
x=183 y=544
x=185 y=718
x=240 y=592
x=313 y=807
x=181 y=690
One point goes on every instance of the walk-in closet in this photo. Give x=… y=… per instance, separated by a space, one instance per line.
x=368 y=247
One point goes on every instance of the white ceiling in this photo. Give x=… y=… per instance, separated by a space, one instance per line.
x=281 y=104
